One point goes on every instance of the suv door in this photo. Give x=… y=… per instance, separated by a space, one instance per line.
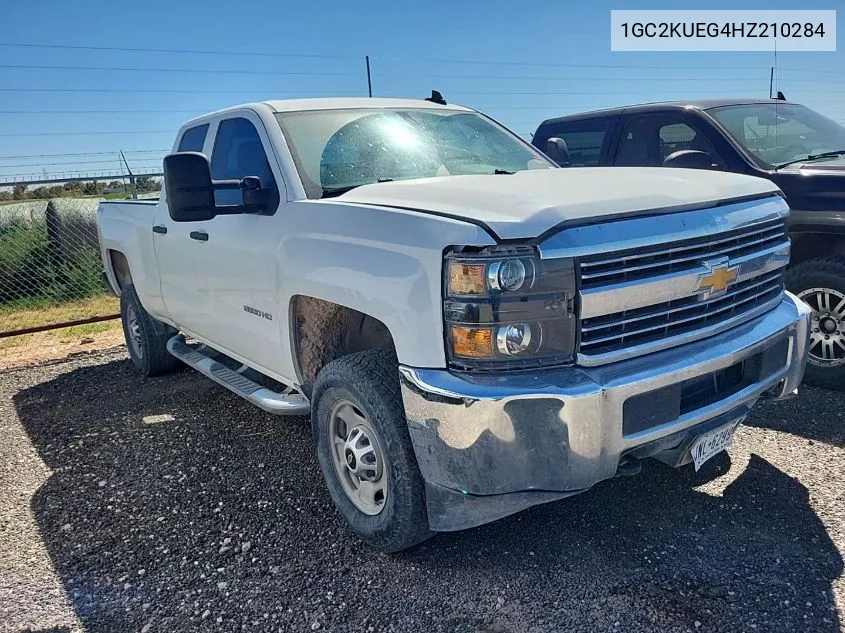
x=647 y=139
x=236 y=262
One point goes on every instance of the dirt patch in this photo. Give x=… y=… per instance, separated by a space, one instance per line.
x=21 y=351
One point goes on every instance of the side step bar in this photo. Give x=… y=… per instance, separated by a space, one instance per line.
x=288 y=402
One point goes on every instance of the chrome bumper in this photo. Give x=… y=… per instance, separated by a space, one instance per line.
x=491 y=445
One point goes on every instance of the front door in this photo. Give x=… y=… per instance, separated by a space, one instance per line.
x=236 y=266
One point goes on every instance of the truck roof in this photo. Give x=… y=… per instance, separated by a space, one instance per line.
x=347 y=103
x=334 y=103
x=695 y=104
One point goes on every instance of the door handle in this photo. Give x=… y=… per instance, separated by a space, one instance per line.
x=202 y=236
x=158 y=228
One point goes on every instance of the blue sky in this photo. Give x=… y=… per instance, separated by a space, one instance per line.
x=526 y=49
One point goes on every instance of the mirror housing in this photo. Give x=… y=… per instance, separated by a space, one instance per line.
x=190 y=190
x=689 y=159
x=557 y=151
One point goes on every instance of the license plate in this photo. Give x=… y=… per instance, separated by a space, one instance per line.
x=712 y=443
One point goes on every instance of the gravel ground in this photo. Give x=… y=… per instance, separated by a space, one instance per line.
x=171 y=505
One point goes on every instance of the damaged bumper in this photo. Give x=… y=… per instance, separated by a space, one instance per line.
x=492 y=445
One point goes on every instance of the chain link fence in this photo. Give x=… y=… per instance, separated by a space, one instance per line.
x=52 y=300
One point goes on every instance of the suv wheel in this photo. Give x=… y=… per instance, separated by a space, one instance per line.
x=821 y=284
x=365 y=450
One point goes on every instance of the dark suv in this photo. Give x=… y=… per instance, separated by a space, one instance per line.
x=800 y=150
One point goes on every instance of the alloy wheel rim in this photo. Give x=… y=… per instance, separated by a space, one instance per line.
x=134 y=331
x=358 y=458
x=827 y=326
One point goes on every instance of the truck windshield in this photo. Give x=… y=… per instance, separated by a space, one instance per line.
x=780 y=133
x=337 y=150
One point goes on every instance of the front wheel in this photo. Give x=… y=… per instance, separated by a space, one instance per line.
x=821 y=284
x=365 y=450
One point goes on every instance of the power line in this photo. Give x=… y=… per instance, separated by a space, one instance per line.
x=87 y=133
x=177 y=50
x=177 y=91
x=82 y=162
x=560 y=65
x=127 y=151
x=221 y=71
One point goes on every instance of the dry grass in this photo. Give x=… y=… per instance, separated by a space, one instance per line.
x=50 y=344
x=18 y=318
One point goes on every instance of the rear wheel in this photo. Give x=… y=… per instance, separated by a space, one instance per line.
x=365 y=450
x=146 y=338
x=821 y=284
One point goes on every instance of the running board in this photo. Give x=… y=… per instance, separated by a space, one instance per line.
x=288 y=402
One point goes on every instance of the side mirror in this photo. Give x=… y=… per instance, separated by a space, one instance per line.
x=190 y=192
x=557 y=151
x=689 y=159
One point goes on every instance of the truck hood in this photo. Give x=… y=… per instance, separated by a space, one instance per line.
x=529 y=203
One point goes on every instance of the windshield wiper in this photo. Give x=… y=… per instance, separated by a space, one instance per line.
x=833 y=154
x=330 y=192
x=503 y=172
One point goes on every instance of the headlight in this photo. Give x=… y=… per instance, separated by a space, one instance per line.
x=506 y=308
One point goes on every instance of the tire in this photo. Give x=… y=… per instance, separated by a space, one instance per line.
x=146 y=338
x=367 y=383
x=809 y=280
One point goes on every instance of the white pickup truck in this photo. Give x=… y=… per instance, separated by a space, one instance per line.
x=472 y=329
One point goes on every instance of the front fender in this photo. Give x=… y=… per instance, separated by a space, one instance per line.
x=386 y=263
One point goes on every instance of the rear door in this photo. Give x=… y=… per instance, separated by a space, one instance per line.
x=175 y=250
x=587 y=140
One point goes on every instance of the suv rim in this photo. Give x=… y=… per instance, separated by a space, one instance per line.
x=827 y=330
x=357 y=457
x=133 y=328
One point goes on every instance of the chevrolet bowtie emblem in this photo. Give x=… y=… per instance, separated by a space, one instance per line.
x=720 y=274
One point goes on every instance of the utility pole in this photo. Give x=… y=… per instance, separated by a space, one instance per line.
x=369 y=78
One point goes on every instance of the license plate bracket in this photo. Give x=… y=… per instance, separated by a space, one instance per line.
x=712 y=443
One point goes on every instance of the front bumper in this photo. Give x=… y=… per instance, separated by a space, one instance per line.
x=491 y=445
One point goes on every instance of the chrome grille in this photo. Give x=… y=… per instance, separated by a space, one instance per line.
x=685 y=255
x=626 y=280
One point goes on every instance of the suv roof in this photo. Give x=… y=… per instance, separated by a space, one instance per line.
x=697 y=104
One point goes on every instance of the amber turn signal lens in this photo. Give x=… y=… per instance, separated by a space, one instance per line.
x=466 y=279
x=469 y=342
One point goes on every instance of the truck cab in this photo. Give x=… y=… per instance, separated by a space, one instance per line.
x=799 y=150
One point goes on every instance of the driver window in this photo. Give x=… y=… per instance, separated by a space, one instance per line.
x=238 y=152
x=647 y=141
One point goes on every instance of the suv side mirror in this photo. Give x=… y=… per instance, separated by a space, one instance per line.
x=689 y=159
x=557 y=151
x=190 y=190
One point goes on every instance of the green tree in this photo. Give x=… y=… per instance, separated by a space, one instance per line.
x=19 y=192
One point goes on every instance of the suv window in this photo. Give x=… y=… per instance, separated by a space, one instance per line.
x=648 y=139
x=584 y=139
x=193 y=139
x=238 y=153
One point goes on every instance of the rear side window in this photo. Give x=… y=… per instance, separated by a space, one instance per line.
x=585 y=139
x=193 y=139
x=238 y=153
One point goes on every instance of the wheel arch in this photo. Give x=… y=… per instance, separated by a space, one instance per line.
x=323 y=331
